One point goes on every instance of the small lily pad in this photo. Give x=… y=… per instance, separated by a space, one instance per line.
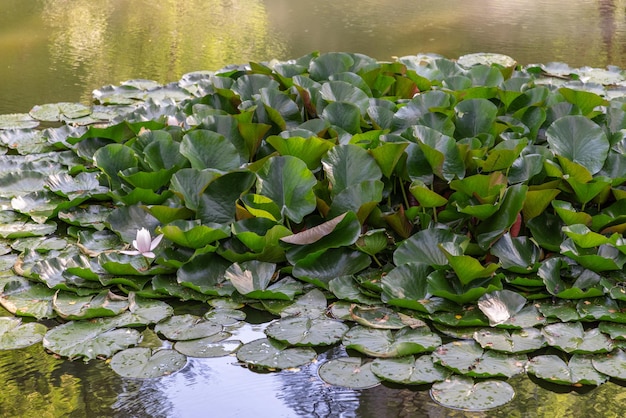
x=303 y=331
x=143 y=363
x=612 y=364
x=410 y=370
x=274 y=355
x=349 y=372
x=14 y=334
x=462 y=393
x=186 y=327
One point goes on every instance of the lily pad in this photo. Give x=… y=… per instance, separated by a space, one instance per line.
x=273 y=355
x=349 y=372
x=468 y=358
x=144 y=363
x=214 y=345
x=384 y=343
x=516 y=341
x=186 y=327
x=578 y=370
x=462 y=393
x=303 y=331
x=572 y=338
x=14 y=334
x=410 y=370
x=611 y=364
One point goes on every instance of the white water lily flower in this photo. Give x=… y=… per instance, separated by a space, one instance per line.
x=144 y=244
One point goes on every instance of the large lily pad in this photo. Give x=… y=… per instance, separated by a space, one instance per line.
x=515 y=341
x=187 y=327
x=468 y=358
x=270 y=354
x=578 y=370
x=303 y=331
x=14 y=334
x=410 y=370
x=143 y=363
x=462 y=393
x=384 y=343
x=349 y=372
x=572 y=338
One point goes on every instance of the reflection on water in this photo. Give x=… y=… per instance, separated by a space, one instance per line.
x=61 y=50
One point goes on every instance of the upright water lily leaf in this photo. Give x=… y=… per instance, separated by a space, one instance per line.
x=304 y=331
x=270 y=354
x=188 y=184
x=501 y=305
x=586 y=101
x=90 y=339
x=360 y=198
x=475 y=116
x=423 y=247
x=207 y=149
x=517 y=254
x=467 y=268
x=468 y=358
x=206 y=274
x=217 y=201
x=349 y=165
x=349 y=372
x=14 y=334
x=289 y=183
x=462 y=393
x=252 y=278
x=321 y=267
x=517 y=341
x=112 y=159
x=388 y=155
x=143 y=363
x=192 y=234
x=580 y=140
x=384 y=343
x=310 y=150
x=495 y=226
x=127 y=220
x=406 y=286
x=410 y=370
x=340 y=231
x=578 y=371
x=448 y=286
x=441 y=152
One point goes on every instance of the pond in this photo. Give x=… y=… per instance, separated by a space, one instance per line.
x=60 y=50
x=57 y=50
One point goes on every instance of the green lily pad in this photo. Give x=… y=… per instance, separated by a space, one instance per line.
x=382 y=317
x=349 y=372
x=516 y=341
x=462 y=393
x=578 y=371
x=611 y=364
x=90 y=339
x=468 y=358
x=501 y=305
x=186 y=327
x=214 y=345
x=572 y=338
x=615 y=331
x=72 y=307
x=384 y=343
x=303 y=331
x=24 y=299
x=14 y=334
x=410 y=370
x=144 y=363
x=269 y=354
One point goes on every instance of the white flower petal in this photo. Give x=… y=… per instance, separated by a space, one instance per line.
x=143 y=240
x=156 y=242
x=148 y=254
x=130 y=252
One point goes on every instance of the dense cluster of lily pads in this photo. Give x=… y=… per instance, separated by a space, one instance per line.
x=449 y=222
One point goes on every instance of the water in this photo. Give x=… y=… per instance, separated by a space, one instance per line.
x=60 y=50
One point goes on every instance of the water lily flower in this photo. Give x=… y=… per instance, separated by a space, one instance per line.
x=144 y=244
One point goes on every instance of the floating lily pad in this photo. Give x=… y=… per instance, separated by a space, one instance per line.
x=468 y=358
x=270 y=354
x=462 y=393
x=612 y=364
x=23 y=299
x=383 y=318
x=578 y=371
x=516 y=341
x=186 y=327
x=215 y=345
x=410 y=370
x=303 y=331
x=14 y=334
x=349 y=372
x=105 y=303
x=384 y=343
x=144 y=363
x=572 y=338
x=90 y=339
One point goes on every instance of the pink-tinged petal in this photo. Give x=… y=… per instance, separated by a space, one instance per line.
x=130 y=252
x=135 y=245
x=148 y=254
x=156 y=242
x=143 y=240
